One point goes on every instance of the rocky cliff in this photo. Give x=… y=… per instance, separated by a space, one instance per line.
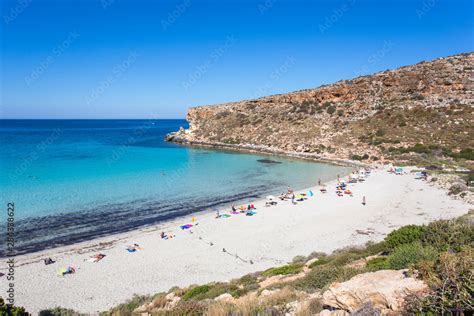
x=423 y=111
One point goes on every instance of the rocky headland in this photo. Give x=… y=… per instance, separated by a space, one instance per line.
x=421 y=113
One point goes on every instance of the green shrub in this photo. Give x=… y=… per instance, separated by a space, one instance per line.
x=331 y=109
x=128 y=307
x=58 y=311
x=380 y=132
x=466 y=153
x=322 y=276
x=376 y=264
x=357 y=157
x=374 y=248
x=420 y=149
x=451 y=286
x=11 y=310
x=404 y=235
x=407 y=254
x=195 y=292
x=288 y=269
x=449 y=234
x=299 y=259
x=320 y=262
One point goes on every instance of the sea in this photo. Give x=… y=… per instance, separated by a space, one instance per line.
x=76 y=180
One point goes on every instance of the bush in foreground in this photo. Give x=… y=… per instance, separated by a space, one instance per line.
x=404 y=235
x=288 y=269
x=11 y=310
x=451 y=282
x=404 y=256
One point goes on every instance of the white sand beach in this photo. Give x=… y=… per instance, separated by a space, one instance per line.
x=270 y=238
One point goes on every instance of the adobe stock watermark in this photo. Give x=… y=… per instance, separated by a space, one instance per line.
x=203 y=68
x=57 y=51
x=426 y=7
x=117 y=72
x=275 y=76
x=266 y=5
x=16 y=11
x=335 y=16
x=174 y=15
x=374 y=58
x=10 y=253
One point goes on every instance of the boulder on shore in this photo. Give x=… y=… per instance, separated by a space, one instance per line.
x=385 y=290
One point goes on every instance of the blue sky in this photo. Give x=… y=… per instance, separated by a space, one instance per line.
x=154 y=59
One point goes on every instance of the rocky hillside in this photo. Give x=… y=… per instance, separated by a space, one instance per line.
x=419 y=112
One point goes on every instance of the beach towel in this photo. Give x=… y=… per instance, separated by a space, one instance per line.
x=226 y=215
x=131 y=249
x=234 y=213
x=187 y=226
x=310 y=193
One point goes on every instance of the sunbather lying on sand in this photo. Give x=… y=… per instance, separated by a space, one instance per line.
x=96 y=258
x=133 y=248
x=68 y=270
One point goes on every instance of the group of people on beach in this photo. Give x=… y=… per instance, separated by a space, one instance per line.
x=341 y=189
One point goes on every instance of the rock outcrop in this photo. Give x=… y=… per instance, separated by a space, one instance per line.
x=366 y=118
x=384 y=290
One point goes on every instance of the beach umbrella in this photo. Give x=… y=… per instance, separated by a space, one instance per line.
x=270 y=197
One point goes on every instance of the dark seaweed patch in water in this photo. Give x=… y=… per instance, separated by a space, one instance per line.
x=39 y=233
x=269 y=161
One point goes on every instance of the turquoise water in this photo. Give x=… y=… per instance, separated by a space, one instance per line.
x=74 y=180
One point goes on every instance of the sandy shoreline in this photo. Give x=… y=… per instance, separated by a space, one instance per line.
x=270 y=238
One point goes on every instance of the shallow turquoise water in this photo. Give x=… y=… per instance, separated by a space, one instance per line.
x=78 y=179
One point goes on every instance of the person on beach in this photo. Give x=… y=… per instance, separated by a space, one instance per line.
x=363 y=200
x=133 y=248
x=48 y=261
x=97 y=257
x=218 y=214
x=319 y=182
x=233 y=208
x=293 y=199
x=290 y=190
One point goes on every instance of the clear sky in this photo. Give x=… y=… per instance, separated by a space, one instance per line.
x=154 y=59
